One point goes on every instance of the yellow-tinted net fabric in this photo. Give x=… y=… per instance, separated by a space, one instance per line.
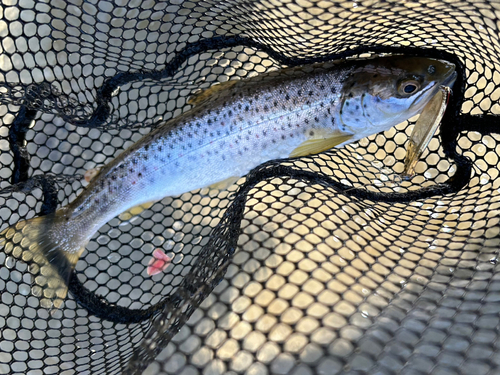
x=329 y=264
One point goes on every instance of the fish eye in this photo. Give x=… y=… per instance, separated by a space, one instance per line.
x=408 y=87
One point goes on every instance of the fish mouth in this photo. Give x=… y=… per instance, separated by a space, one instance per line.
x=450 y=80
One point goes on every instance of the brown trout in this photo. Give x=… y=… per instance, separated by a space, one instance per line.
x=232 y=128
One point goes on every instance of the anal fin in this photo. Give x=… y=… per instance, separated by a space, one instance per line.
x=224 y=184
x=136 y=210
x=315 y=146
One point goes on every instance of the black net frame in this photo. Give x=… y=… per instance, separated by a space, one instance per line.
x=325 y=264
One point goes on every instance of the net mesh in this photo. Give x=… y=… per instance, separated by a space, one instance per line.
x=320 y=265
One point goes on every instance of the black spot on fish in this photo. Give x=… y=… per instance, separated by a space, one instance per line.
x=247 y=108
x=275 y=103
x=239 y=106
x=316 y=119
x=287 y=97
x=347 y=104
x=311 y=133
x=266 y=108
x=283 y=136
x=333 y=90
x=357 y=107
x=306 y=121
x=350 y=95
x=299 y=93
x=322 y=87
x=139 y=174
x=311 y=93
x=364 y=105
x=230 y=113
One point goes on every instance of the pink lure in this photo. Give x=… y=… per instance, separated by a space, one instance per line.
x=159 y=262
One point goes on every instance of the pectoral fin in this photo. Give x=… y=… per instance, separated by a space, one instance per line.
x=315 y=146
x=204 y=95
x=91 y=174
x=224 y=184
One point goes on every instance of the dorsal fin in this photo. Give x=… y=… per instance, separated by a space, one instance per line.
x=206 y=94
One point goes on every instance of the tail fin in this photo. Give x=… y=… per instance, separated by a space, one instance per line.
x=43 y=243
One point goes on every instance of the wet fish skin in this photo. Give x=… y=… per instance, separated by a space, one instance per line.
x=230 y=130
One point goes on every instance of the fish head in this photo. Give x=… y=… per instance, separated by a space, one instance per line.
x=384 y=92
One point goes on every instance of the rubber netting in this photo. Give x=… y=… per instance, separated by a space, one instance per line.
x=321 y=265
